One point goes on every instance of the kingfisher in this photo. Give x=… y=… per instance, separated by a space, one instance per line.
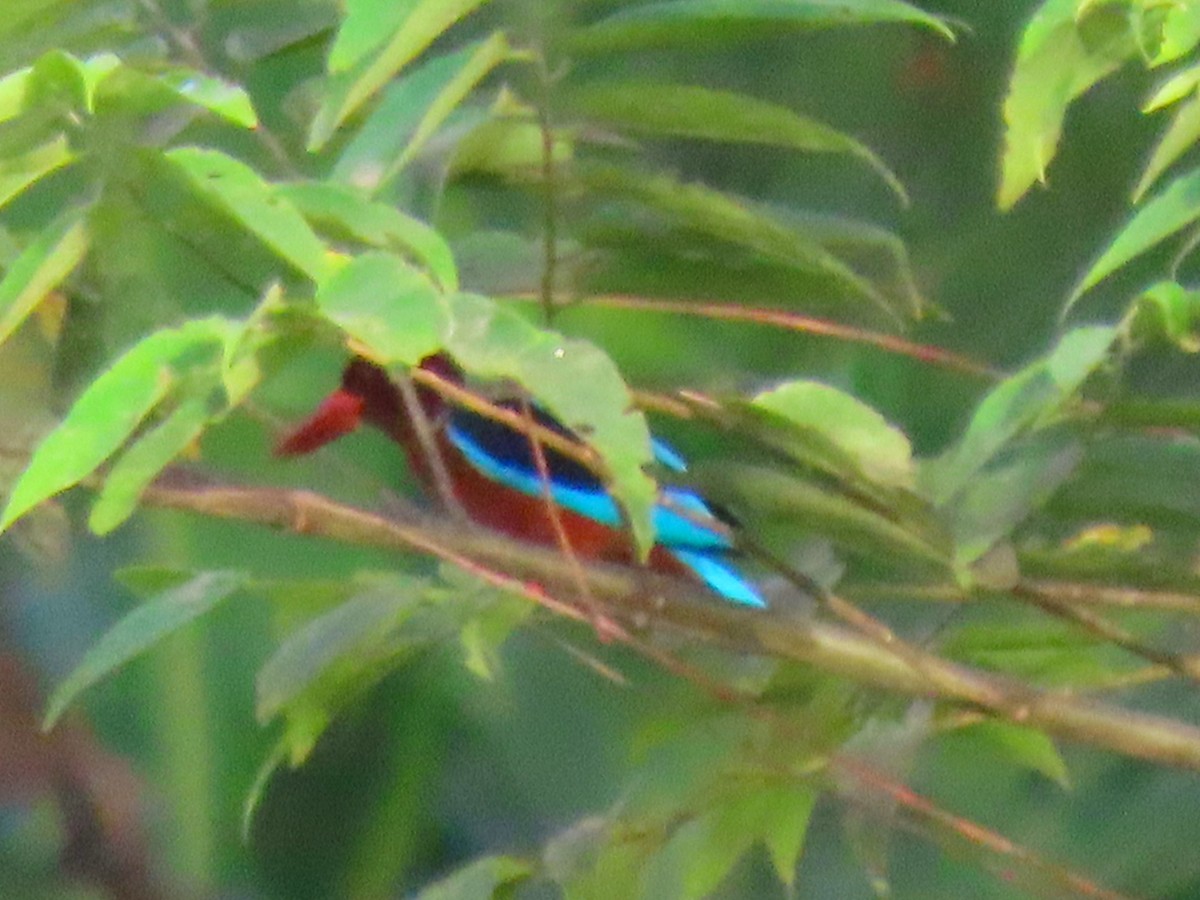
x=497 y=478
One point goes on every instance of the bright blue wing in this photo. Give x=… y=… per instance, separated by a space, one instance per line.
x=684 y=520
x=683 y=523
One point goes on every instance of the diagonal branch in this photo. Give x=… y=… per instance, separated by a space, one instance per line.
x=643 y=598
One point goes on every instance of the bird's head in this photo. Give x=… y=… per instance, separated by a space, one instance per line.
x=367 y=393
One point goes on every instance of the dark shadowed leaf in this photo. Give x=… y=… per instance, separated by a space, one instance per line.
x=1004 y=494
x=764 y=495
x=335 y=657
x=698 y=112
x=675 y=22
x=141 y=630
x=732 y=219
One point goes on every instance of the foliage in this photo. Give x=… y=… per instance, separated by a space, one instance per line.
x=198 y=200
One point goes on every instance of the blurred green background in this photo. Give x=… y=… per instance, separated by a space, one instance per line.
x=436 y=767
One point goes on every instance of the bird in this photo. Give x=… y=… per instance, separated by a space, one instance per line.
x=498 y=480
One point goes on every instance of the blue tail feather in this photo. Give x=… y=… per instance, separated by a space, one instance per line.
x=721 y=577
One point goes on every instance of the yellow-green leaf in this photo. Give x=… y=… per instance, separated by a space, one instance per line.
x=40 y=268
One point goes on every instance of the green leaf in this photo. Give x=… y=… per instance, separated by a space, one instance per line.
x=1063 y=53
x=376 y=145
x=1001 y=496
x=702 y=851
x=349 y=89
x=387 y=305
x=478 y=880
x=145 y=458
x=1028 y=399
x=475 y=67
x=41 y=267
x=698 y=112
x=1047 y=652
x=238 y=190
x=229 y=101
x=506 y=146
x=764 y=495
x=1180 y=33
x=575 y=381
x=333 y=658
x=141 y=630
x=785 y=812
x=377 y=224
x=275 y=758
x=1167 y=310
x=482 y=636
x=675 y=22
x=1177 y=207
x=695 y=860
x=57 y=83
x=1179 y=137
x=107 y=413
x=1174 y=89
x=733 y=220
x=366 y=25
x=881 y=452
x=1018 y=744
x=20 y=172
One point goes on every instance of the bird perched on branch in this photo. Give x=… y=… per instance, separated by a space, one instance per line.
x=503 y=480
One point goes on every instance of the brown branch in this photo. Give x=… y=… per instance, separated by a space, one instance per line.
x=641 y=598
x=1107 y=630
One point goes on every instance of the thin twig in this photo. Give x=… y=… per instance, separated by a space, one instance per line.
x=1096 y=624
x=434 y=461
x=549 y=193
x=777 y=318
x=554 y=514
x=1073 y=593
x=922 y=810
